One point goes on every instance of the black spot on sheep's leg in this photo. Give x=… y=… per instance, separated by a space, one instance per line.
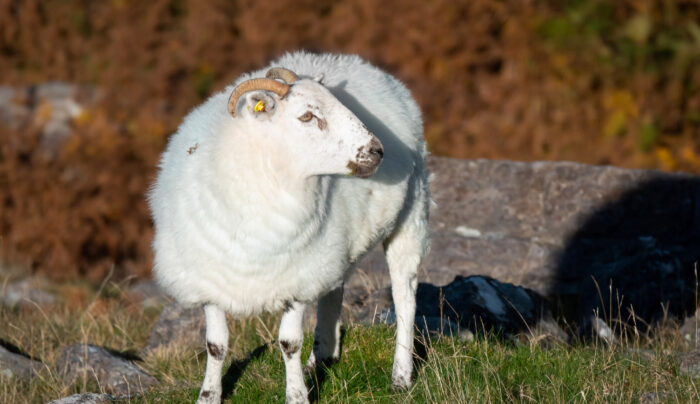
x=216 y=351
x=289 y=348
x=208 y=397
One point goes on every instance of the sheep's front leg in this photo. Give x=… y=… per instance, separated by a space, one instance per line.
x=217 y=343
x=327 y=335
x=291 y=337
x=404 y=252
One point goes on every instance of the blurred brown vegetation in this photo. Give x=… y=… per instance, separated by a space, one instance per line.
x=603 y=82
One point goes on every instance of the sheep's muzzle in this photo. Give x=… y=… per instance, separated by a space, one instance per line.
x=367 y=160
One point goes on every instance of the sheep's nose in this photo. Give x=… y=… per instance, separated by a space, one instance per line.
x=377 y=151
x=376 y=148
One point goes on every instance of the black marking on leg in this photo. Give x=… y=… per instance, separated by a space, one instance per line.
x=289 y=348
x=208 y=397
x=217 y=351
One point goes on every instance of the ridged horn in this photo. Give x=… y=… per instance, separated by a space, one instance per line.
x=287 y=75
x=275 y=86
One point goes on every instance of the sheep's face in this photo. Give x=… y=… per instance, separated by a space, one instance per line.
x=311 y=128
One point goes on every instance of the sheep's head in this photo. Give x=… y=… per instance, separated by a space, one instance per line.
x=308 y=123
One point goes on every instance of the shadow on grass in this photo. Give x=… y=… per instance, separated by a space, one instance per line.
x=234 y=372
x=318 y=376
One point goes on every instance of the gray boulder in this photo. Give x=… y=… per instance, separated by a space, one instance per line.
x=113 y=373
x=177 y=326
x=15 y=365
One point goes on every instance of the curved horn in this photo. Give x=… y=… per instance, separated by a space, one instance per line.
x=275 y=86
x=281 y=73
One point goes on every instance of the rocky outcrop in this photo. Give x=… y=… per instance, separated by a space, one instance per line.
x=553 y=227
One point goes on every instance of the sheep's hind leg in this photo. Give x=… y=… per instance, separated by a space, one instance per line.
x=404 y=251
x=291 y=337
x=327 y=335
x=217 y=344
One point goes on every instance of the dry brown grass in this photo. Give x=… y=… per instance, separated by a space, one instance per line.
x=593 y=81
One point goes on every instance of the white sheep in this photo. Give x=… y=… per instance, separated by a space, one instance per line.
x=267 y=199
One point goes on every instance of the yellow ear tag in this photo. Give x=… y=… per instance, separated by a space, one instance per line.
x=259 y=107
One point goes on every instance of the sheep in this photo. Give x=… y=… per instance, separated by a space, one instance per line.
x=272 y=190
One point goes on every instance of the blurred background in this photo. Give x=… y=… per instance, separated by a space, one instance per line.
x=91 y=90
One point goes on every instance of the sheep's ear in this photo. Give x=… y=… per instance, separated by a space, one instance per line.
x=319 y=78
x=260 y=103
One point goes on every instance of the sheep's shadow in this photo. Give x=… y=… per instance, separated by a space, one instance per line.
x=318 y=375
x=236 y=369
x=632 y=261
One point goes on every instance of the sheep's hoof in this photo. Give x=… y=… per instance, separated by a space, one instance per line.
x=296 y=397
x=400 y=384
x=314 y=366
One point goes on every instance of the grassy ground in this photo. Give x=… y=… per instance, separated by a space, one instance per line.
x=448 y=370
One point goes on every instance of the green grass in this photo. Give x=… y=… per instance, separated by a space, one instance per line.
x=448 y=370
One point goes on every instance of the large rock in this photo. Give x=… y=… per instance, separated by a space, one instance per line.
x=113 y=373
x=15 y=365
x=177 y=326
x=474 y=304
x=552 y=226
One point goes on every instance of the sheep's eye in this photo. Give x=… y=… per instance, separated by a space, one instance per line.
x=306 y=117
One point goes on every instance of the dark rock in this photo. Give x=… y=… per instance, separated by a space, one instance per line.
x=480 y=303
x=473 y=304
x=177 y=326
x=86 y=398
x=113 y=373
x=690 y=363
x=15 y=365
